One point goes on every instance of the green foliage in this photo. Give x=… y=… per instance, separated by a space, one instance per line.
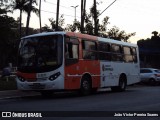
x=60 y=23
x=8 y=39
x=113 y=33
x=6 y=23
x=150 y=43
x=149 y=50
x=74 y=27
x=24 y=6
x=3 y=8
x=10 y=30
x=8 y=83
x=2 y=11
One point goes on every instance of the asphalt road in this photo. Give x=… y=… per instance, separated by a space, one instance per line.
x=136 y=99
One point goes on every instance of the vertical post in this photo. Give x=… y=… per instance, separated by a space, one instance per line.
x=75 y=11
x=82 y=16
x=75 y=15
x=83 y=6
x=40 y=24
x=57 y=15
x=95 y=19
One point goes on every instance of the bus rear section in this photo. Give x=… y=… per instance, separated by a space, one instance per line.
x=119 y=63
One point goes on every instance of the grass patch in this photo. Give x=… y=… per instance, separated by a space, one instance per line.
x=8 y=83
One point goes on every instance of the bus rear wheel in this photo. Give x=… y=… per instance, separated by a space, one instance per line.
x=121 y=86
x=86 y=86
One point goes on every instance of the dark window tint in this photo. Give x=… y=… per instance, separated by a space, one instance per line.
x=89 y=50
x=104 y=51
x=40 y=54
x=105 y=56
x=71 y=50
x=105 y=47
x=116 y=53
x=89 y=45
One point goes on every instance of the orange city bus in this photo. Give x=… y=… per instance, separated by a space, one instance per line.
x=54 y=61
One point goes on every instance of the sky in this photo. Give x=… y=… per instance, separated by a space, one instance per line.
x=140 y=16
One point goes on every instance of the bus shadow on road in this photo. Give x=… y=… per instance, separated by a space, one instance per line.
x=75 y=94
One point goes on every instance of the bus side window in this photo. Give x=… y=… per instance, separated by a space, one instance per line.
x=104 y=51
x=71 y=52
x=89 y=50
x=134 y=54
x=116 y=53
x=127 y=54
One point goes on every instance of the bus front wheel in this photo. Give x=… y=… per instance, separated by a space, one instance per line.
x=86 y=86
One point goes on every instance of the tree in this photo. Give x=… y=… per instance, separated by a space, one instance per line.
x=83 y=12
x=22 y=6
x=95 y=12
x=40 y=24
x=149 y=50
x=155 y=36
x=46 y=28
x=8 y=38
x=115 y=33
x=2 y=10
x=4 y=6
x=102 y=28
x=76 y=26
x=30 y=8
x=155 y=33
x=60 y=23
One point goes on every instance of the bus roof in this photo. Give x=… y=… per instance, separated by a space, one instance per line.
x=45 y=33
x=116 y=42
x=79 y=35
x=83 y=36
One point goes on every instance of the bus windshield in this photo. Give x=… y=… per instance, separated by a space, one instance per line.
x=40 y=54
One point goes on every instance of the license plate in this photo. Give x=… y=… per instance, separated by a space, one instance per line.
x=37 y=86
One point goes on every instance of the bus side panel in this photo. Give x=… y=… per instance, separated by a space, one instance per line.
x=74 y=73
x=111 y=71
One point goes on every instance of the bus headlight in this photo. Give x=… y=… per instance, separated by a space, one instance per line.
x=54 y=76
x=21 y=78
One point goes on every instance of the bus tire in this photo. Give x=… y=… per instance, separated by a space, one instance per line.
x=121 y=86
x=86 y=86
x=122 y=83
